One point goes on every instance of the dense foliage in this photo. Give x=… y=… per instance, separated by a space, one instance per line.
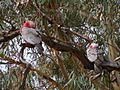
x=98 y=20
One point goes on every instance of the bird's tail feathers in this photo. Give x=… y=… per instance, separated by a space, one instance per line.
x=39 y=48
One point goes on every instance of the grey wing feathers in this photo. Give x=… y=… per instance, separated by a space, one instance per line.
x=35 y=31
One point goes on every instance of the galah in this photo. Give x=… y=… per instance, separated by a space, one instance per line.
x=32 y=35
x=92 y=52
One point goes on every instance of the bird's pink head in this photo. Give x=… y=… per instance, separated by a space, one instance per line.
x=93 y=45
x=29 y=24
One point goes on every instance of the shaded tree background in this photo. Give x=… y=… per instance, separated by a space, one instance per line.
x=98 y=20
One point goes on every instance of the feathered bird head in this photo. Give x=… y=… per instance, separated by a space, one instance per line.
x=93 y=46
x=29 y=24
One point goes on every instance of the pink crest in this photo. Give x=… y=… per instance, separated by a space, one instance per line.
x=93 y=45
x=29 y=24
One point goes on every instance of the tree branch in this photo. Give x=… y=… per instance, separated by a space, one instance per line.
x=111 y=65
x=26 y=72
x=72 y=32
x=59 y=46
x=34 y=70
x=80 y=54
x=9 y=36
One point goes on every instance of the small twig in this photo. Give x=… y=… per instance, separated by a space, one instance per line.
x=65 y=42
x=79 y=35
x=95 y=77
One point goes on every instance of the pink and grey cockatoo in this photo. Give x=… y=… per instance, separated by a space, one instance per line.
x=92 y=53
x=32 y=35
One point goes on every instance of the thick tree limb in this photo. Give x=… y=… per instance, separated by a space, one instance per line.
x=80 y=54
x=67 y=48
x=111 y=65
